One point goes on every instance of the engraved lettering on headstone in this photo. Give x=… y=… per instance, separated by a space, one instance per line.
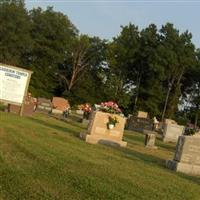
x=114 y=133
x=99 y=130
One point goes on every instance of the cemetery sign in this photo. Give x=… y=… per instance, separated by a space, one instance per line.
x=14 y=83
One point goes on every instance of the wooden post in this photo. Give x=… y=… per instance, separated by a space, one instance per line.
x=25 y=94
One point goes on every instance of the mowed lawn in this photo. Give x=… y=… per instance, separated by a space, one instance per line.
x=43 y=158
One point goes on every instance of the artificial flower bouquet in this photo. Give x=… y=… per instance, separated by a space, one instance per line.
x=113 y=108
x=87 y=109
x=112 y=121
x=110 y=107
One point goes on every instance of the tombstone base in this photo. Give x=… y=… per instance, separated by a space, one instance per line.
x=150 y=137
x=183 y=167
x=164 y=139
x=151 y=147
x=94 y=139
x=85 y=121
x=57 y=112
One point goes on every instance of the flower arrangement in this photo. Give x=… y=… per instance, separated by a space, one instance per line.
x=86 y=108
x=110 y=107
x=112 y=121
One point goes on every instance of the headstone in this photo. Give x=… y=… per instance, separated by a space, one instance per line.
x=79 y=112
x=170 y=121
x=150 y=137
x=98 y=131
x=56 y=112
x=29 y=106
x=59 y=105
x=172 y=132
x=142 y=114
x=187 y=155
x=44 y=104
x=139 y=124
x=85 y=121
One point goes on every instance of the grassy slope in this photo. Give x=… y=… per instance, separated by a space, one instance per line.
x=43 y=158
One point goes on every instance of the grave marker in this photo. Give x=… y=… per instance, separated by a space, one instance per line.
x=98 y=131
x=59 y=105
x=139 y=124
x=44 y=104
x=187 y=155
x=150 y=137
x=172 y=132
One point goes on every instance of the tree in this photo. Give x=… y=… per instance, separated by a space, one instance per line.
x=53 y=35
x=122 y=55
x=191 y=91
x=149 y=72
x=177 y=54
x=76 y=63
x=82 y=70
x=15 y=39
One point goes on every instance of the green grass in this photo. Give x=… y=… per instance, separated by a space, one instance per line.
x=43 y=158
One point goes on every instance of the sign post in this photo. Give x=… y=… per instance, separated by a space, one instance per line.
x=14 y=84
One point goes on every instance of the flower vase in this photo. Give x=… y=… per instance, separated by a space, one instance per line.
x=110 y=126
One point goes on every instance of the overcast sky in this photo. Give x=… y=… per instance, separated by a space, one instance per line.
x=104 y=18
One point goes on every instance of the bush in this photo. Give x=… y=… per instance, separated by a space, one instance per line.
x=2 y=107
x=190 y=131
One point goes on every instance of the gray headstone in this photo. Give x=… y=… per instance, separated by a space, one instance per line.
x=172 y=132
x=187 y=155
x=150 y=138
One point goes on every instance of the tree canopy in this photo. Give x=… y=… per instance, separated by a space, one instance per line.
x=155 y=70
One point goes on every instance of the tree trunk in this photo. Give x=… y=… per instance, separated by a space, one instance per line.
x=176 y=82
x=196 y=120
x=166 y=102
x=137 y=91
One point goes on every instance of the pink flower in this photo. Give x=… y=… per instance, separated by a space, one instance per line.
x=110 y=106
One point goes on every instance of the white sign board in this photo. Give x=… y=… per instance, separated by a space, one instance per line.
x=13 y=84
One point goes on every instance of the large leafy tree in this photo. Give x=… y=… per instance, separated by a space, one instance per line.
x=90 y=87
x=53 y=35
x=177 y=54
x=76 y=63
x=15 y=39
x=82 y=71
x=149 y=72
x=122 y=69
x=191 y=92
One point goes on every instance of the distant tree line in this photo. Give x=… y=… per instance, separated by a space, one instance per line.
x=157 y=71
